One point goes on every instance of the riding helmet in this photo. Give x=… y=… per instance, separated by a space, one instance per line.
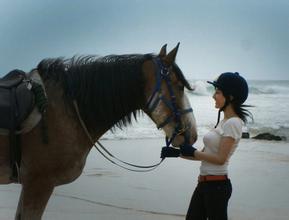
x=232 y=84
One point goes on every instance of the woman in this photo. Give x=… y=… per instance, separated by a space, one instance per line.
x=211 y=196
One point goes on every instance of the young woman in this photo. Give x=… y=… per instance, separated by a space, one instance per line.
x=211 y=196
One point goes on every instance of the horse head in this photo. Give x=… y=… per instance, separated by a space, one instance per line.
x=167 y=103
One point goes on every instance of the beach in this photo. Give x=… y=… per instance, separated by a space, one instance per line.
x=125 y=58
x=258 y=171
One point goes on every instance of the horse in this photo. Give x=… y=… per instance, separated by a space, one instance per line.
x=103 y=92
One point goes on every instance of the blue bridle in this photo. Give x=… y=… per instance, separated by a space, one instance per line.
x=162 y=74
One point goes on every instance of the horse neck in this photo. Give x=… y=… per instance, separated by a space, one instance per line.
x=110 y=104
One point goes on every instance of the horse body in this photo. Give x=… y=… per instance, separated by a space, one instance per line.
x=44 y=166
x=64 y=157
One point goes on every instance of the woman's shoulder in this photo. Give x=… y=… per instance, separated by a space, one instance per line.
x=233 y=127
x=234 y=121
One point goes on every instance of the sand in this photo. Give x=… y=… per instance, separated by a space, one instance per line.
x=258 y=170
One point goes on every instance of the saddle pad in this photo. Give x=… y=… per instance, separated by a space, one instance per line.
x=5 y=108
x=34 y=116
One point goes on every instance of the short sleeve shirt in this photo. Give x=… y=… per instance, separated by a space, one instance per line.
x=231 y=127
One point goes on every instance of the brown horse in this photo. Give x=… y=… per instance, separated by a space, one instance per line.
x=109 y=91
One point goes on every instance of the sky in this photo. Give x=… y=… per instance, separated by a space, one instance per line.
x=249 y=36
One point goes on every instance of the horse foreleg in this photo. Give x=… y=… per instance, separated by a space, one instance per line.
x=5 y=173
x=19 y=207
x=33 y=200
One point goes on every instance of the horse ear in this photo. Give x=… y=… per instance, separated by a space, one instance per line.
x=163 y=51
x=170 y=58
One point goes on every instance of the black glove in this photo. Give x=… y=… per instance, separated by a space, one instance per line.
x=187 y=150
x=170 y=152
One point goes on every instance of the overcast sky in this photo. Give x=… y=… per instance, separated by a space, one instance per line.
x=248 y=36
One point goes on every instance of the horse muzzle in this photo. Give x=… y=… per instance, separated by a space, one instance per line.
x=185 y=136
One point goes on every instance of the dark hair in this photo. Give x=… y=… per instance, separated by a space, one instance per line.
x=243 y=113
x=240 y=109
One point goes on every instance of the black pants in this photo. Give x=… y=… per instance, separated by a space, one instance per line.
x=210 y=201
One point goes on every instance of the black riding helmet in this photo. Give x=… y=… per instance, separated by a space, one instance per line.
x=231 y=84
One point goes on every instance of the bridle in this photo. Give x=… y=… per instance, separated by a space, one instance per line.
x=162 y=74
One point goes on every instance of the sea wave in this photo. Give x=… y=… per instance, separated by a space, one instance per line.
x=282 y=131
x=270 y=90
x=270 y=100
x=138 y=132
x=202 y=88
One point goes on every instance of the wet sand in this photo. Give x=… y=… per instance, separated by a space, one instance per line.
x=259 y=174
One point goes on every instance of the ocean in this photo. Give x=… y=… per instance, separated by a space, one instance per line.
x=270 y=101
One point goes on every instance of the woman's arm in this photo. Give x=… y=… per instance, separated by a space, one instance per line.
x=192 y=158
x=189 y=158
x=226 y=146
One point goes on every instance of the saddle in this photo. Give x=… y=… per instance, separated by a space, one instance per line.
x=16 y=99
x=16 y=103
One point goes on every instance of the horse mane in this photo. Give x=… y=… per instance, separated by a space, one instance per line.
x=109 y=90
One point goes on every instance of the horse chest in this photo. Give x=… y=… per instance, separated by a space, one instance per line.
x=69 y=169
x=61 y=162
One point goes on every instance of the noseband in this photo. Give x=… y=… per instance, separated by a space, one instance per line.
x=162 y=74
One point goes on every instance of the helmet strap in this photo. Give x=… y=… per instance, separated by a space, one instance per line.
x=227 y=102
x=219 y=114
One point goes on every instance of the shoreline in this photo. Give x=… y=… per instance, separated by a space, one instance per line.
x=258 y=171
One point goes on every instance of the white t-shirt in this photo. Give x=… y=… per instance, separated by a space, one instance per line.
x=231 y=127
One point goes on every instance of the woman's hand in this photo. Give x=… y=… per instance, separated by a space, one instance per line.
x=187 y=150
x=170 y=152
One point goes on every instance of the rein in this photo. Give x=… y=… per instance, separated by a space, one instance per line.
x=109 y=156
x=162 y=74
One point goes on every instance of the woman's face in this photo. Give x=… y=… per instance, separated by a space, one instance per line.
x=219 y=98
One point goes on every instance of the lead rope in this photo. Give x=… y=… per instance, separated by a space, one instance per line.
x=145 y=168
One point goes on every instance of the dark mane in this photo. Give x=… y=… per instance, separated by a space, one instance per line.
x=109 y=90
x=181 y=76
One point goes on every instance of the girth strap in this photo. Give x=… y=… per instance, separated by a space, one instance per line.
x=14 y=140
